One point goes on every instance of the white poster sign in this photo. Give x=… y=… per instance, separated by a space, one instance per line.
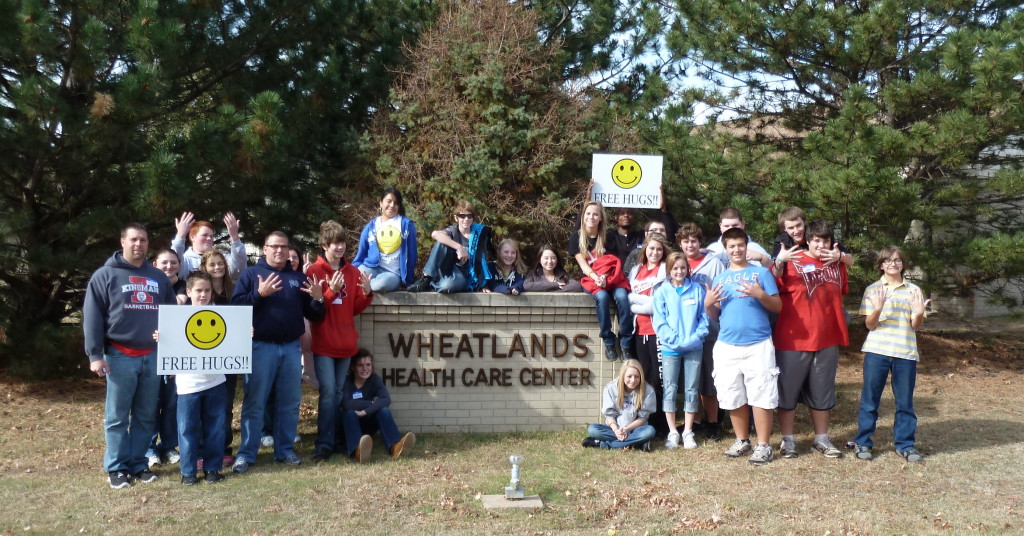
x=627 y=180
x=204 y=340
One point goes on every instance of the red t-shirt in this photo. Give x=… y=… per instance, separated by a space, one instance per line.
x=644 y=324
x=812 y=316
x=694 y=263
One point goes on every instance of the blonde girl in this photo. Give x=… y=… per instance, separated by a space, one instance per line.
x=507 y=276
x=626 y=402
x=603 y=279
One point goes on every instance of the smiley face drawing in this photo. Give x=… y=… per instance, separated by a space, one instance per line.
x=389 y=239
x=626 y=173
x=205 y=330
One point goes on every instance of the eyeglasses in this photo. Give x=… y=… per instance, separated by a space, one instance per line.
x=891 y=262
x=464 y=216
x=276 y=247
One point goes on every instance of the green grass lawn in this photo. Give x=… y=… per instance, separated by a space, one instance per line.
x=971 y=430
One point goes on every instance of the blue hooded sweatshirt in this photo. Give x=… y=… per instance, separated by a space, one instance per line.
x=679 y=317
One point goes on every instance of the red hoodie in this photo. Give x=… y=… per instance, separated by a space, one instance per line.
x=335 y=336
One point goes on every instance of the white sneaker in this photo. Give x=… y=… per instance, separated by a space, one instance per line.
x=688 y=440
x=267 y=441
x=173 y=457
x=673 y=440
x=154 y=459
x=297 y=438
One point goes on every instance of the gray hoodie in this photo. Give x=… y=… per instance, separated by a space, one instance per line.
x=121 y=304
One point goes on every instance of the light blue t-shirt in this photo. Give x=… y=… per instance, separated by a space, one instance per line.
x=743 y=319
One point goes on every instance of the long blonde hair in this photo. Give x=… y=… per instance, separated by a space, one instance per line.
x=601 y=229
x=641 y=390
x=229 y=285
x=518 y=266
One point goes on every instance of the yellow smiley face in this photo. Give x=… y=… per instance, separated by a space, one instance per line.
x=389 y=239
x=205 y=330
x=626 y=173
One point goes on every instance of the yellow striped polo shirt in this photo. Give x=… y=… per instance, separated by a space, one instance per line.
x=894 y=336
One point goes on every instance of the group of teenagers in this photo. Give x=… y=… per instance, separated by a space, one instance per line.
x=700 y=316
x=743 y=331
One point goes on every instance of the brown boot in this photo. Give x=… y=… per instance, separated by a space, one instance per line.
x=362 y=453
x=403 y=445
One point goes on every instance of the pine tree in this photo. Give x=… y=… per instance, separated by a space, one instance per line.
x=112 y=112
x=869 y=114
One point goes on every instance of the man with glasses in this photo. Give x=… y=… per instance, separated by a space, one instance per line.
x=458 y=260
x=280 y=297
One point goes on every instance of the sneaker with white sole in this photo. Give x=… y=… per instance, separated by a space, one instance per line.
x=267 y=441
x=153 y=460
x=673 y=440
x=173 y=457
x=739 y=448
x=912 y=455
x=762 y=454
x=827 y=448
x=788 y=448
x=119 y=479
x=862 y=452
x=689 y=442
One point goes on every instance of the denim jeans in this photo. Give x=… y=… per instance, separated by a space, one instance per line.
x=904 y=377
x=603 y=433
x=446 y=283
x=201 y=422
x=604 y=316
x=691 y=362
x=280 y=366
x=382 y=280
x=129 y=424
x=355 y=426
x=331 y=374
x=166 y=419
x=230 y=383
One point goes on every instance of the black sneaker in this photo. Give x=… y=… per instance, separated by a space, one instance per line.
x=321 y=454
x=646 y=447
x=713 y=431
x=146 y=475
x=189 y=480
x=627 y=354
x=610 y=352
x=420 y=285
x=119 y=479
x=213 y=477
x=591 y=443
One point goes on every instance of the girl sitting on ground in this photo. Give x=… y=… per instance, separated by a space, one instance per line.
x=364 y=406
x=507 y=276
x=626 y=402
x=549 y=274
x=648 y=272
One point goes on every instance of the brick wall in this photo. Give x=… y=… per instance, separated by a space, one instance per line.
x=488 y=363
